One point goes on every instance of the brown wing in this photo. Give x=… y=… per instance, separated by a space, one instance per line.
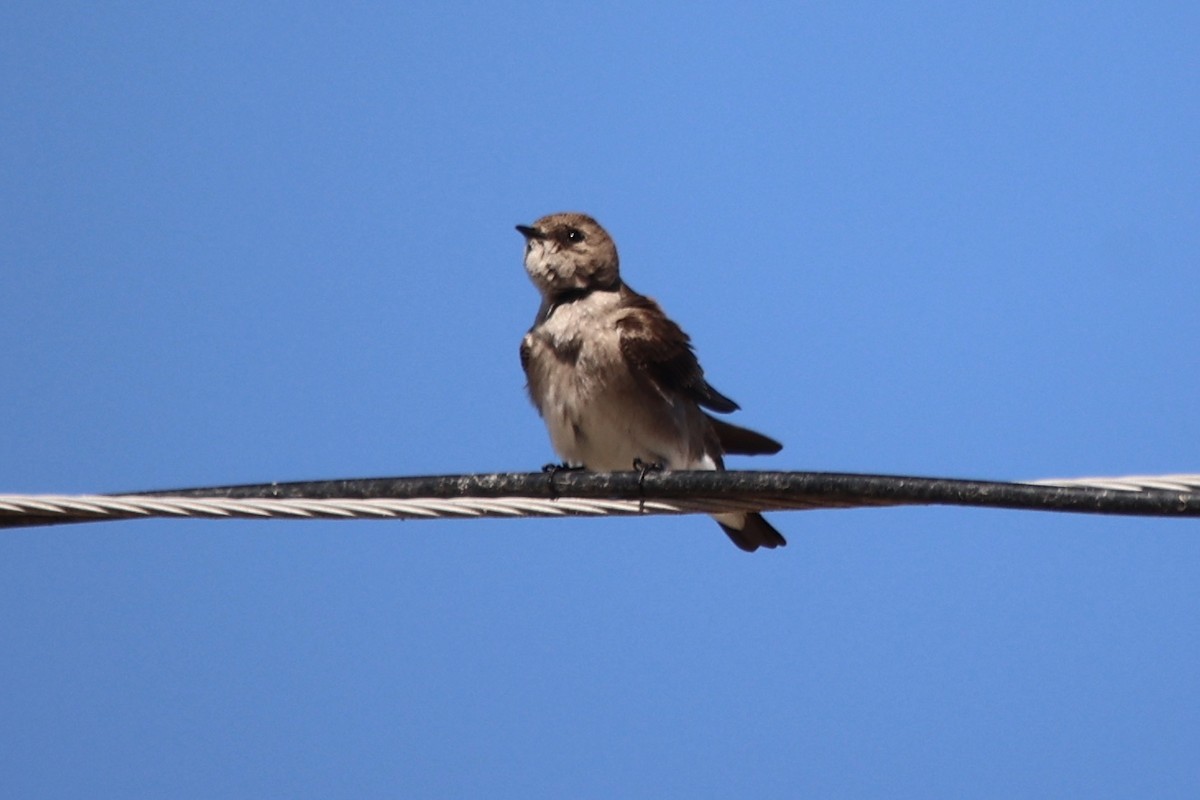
x=655 y=346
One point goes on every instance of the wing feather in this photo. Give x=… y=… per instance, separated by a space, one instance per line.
x=655 y=346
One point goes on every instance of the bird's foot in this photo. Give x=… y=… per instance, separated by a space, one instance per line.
x=642 y=467
x=563 y=467
x=553 y=469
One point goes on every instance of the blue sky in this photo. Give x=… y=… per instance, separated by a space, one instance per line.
x=276 y=244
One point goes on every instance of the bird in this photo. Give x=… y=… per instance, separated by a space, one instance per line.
x=615 y=380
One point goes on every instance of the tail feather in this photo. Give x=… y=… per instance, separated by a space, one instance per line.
x=753 y=532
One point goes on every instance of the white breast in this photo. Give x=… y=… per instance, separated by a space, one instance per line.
x=598 y=415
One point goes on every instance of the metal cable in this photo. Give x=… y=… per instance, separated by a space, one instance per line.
x=603 y=494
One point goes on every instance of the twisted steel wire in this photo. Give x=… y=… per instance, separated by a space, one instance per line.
x=605 y=494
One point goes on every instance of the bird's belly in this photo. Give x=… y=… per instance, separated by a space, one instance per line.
x=607 y=428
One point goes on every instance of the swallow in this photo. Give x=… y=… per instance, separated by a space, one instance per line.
x=615 y=380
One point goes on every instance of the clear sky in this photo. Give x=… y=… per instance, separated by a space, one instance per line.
x=277 y=244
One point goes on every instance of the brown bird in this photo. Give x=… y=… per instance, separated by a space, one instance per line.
x=615 y=380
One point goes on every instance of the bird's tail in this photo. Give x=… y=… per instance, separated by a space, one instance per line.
x=750 y=531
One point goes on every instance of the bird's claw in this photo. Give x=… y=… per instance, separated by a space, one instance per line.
x=563 y=467
x=642 y=467
x=553 y=469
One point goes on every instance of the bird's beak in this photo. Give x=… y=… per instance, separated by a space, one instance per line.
x=530 y=233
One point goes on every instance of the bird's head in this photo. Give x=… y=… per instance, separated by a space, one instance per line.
x=569 y=252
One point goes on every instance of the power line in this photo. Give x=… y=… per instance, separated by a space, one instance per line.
x=601 y=494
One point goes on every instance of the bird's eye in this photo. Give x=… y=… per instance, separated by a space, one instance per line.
x=574 y=235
